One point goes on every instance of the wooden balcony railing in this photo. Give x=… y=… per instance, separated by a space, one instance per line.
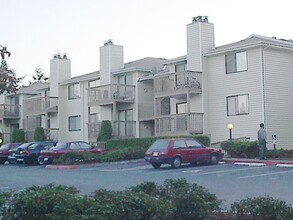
x=9 y=111
x=191 y=123
x=107 y=94
x=40 y=105
x=177 y=83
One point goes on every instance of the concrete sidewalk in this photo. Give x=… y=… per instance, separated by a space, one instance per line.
x=257 y=162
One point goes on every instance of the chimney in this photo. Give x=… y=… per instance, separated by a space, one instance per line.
x=111 y=59
x=200 y=37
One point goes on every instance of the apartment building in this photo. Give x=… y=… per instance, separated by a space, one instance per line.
x=243 y=83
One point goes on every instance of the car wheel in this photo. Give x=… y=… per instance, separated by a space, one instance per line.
x=2 y=161
x=214 y=159
x=41 y=161
x=176 y=162
x=156 y=165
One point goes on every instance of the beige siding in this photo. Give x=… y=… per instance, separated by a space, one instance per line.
x=218 y=85
x=278 y=93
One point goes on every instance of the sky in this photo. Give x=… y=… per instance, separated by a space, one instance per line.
x=34 y=30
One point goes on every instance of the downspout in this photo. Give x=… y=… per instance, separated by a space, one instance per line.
x=263 y=89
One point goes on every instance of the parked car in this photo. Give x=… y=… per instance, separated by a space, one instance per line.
x=181 y=150
x=30 y=154
x=47 y=156
x=4 y=151
x=11 y=157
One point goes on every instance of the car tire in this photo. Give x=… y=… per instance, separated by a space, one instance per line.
x=176 y=162
x=2 y=161
x=156 y=165
x=41 y=161
x=214 y=159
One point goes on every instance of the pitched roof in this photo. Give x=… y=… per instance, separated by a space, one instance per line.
x=251 y=41
x=33 y=88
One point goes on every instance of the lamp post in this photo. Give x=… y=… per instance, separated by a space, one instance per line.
x=230 y=126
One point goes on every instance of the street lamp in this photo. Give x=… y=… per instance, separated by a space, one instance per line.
x=230 y=126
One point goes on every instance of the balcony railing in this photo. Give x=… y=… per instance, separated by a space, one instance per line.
x=108 y=94
x=177 y=83
x=9 y=111
x=40 y=105
x=191 y=123
x=146 y=111
x=124 y=129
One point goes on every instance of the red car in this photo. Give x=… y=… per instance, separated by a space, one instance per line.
x=4 y=151
x=47 y=156
x=181 y=150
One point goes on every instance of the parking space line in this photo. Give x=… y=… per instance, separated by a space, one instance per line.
x=226 y=171
x=267 y=174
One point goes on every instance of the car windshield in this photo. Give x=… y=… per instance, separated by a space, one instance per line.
x=159 y=145
x=25 y=145
x=33 y=146
x=4 y=147
x=59 y=146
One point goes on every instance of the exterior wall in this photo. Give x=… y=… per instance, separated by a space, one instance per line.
x=219 y=85
x=278 y=80
x=73 y=107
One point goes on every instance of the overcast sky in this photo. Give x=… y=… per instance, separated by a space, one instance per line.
x=34 y=30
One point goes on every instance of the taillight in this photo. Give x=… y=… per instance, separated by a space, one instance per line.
x=26 y=152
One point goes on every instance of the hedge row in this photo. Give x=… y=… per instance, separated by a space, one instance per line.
x=174 y=199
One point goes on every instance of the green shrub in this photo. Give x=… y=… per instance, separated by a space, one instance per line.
x=75 y=157
x=279 y=153
x=241 y=149
x=18 y=136
x=39 y=134
x=105 y=131
x=263 y=208
x=48 y=202
x=128 y=205
x=189 y=201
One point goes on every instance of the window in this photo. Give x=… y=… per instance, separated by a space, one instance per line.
x=74 y=123
x=236 y=62
x=193 y=144
x=237 y=105
x=94 y=83
x=179 y=144
x=181 y=108
x=74 y=91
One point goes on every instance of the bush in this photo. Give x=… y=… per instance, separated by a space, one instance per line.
x=279 y=153
x=48 y=202
x=76 y=157
x=105 y=131
x=189 y=201
x=18 y=136
x=128 y=205
x=263 y=208
x=241 y=149
x=39 y=134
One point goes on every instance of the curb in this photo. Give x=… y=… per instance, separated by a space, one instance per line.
x=258 y=163
x=62 y=167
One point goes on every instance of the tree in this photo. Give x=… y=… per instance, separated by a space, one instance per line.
x=40 y=76
x=8 y=81
x=39 y=134
x=18 y=136
x=105 y=131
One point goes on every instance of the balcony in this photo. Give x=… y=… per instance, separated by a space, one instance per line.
x=178 y=83
x=124 y=129
x=40 y=105
x=179 y=124
x=111 y=93
x=9 y=111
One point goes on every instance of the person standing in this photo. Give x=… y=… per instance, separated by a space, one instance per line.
x=262 y=141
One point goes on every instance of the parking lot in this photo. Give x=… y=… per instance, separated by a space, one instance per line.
x=229 y=182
